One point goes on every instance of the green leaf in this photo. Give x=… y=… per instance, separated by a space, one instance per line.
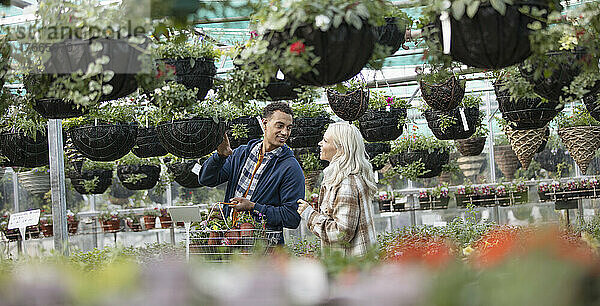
x=499 y=6
x=458 y=9
x=337 y=20
x=472 y=8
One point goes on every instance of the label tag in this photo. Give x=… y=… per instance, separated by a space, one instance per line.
x=196 y=169
x=280 y=75
x=463 y=118
x=24 y=219
x=388 y=108
x=376 y=177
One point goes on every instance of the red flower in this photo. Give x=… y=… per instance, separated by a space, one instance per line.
x=297 y=47
x=168 y=68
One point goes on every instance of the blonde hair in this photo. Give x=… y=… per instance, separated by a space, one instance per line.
x=350 y=158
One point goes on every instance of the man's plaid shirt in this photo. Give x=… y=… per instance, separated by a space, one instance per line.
x=249 y=166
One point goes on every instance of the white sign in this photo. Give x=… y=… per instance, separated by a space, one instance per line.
x=196 y=169
x=24 y=219
x=185 y=213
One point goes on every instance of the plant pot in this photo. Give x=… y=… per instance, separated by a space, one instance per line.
x=73 y=54
x=308 y=132
x=134 y=226
x=470 y=146
x=375 y=148
x=385 y=205
x=381 y=125
x=72 y=227
x=343 y=51
x=443 y=97
x=147 y=143
x=471 y=166
x=194 y=73
x=281 y=90
x=581 y=142
x=35 y=182
x=391 y=34
x=544 y=196
x=103 y=177
x=151 y=172
x=492 y=40
x=24 y=151
x=507 y=161
x=254 y=131
x=104 y=142
x=433 y=161
x=349 y=106
x=47 y=228
x=149 y=222
x=191 y=138
x=456 y=130
x=184 y=175
x=166 y=222
x=549 y=158
x=32 y=232
x=57 y=109
x=526 y=113
x=111 y=225
x=525 y=143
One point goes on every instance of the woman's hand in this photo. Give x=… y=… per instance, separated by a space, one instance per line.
x=302 y=205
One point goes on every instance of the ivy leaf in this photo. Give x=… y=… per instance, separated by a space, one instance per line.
x=499 y=6
x=472 y=8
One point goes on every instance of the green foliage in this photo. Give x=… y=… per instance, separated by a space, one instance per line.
x=579 y=117
x=305 y=247
x=152 y=212
x=121 y=111
x=417 y=142
x=239 y=130
x=309 y=110
x=20 y=118
x=194 y=50
x=481 y=131
x=310 y=162
x=412 y=171
x=471 y=101
x=378 y=100
x=93 y=260
x=135 y=178
x=94 y=165
x=445 y=121
x=90 y=185
x=351 y=85
x=132 y=160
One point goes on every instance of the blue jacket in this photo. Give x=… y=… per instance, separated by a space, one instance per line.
x=278 y=189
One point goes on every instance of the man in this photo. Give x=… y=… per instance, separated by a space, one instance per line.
x=264 y=177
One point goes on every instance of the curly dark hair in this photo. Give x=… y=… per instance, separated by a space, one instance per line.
x=277 y=106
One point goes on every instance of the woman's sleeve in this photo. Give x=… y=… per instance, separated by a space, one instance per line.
x=341 y=226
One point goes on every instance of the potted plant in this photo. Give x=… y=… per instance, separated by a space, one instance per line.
x=72 y=222
x=385 y=118
x=165 y=219
x=518 y=192
x=441 y=89
x=133 y=222
x=310 y=122
x=416 y=156
x=580 y=133
x=349 y=100
x=37 y=87
x=505 y=157
x=447 y=125
x=10 y=234
x=150 y=215
x=525 y=143
x=106 y=133
x=318 y=45
x=473 y=145
x=46 y=225
x=543 y=189
x=246 y=126
x=110 y=221
x=93 y=178
x=181 y=170
x=147 y=143
x=23 y=137
x=391 y=34
x=138 y=173
x=434 y=198
x=384 y=200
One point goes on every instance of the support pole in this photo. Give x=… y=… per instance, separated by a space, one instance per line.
x=16 y=209
x=169 y=204
x=488 y=112
x=57 y=184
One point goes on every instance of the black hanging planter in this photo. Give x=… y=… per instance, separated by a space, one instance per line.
x=117 y=190
x=281 y=90
x=147 y=143
x=313 y=150
x=24 y=151
x=307 y=132
x=57 y=109
x=349 y=106
x=254 y=131
x=433 y=161
x=183 y=173
x=104 y=142
x=343 y=51
x=191 y=138
x=470 y=146
x=375 y=148
x=457 y=130
x=445 y=96
x=104 y=180
x=592 y=105
x=491 y=40
x=390 y=35
x=549 y=158
x=152 y=176
x=526 y=113
x=73 y=54
x=194 y=73
x=381 y=125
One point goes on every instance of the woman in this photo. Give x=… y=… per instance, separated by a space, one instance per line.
x=345 y=217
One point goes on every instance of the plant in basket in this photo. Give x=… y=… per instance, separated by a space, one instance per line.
x=133 y=222
x=312 y=167
x=417 y=156
x=46 y=225
x=464 y=194
x=94 y=177
x=316 y=43
x=433 y=198
x=390 y=35
x=138 y=173
x=385 y=118
x=72 y=222
x=245 y=126
x=23 y=136
x=519 y=191
x=473 y=145
x=147 y=118
x=310 y=122
x=543 y=190
x=180 y=170
x=12 y=234
x=35 y=180
x=349 y=100
x=447 y=125
x=149 y=216
x=580 y=133
x=110 y=220
x=505 y=157
x=441 y=89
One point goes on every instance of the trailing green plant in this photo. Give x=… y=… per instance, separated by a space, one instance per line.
x=131 y=160
x=174 y=49
x=380 y=160
x=579 y=117
x=410 y=142
x=239 y=130
x=350 y=85
x=412 y=171
x=378 y=100
x=518 y=87
x=309 y=110
x=122 y=111
x=91 y=184
x=471 y=101
x=310 y=162
x=22 y=119
x=501 y=140
x=445 y=121
x=89 y=165
x=481 y=131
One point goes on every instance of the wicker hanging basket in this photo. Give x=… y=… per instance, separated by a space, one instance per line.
x=470 y=146
x=525 y=143
x=307 y=132
x=581 y=142
x=433 y=161
x=57 y=109
x=382 y=125
x=191 y=138
x=151 y=173
x=390 y=34
x=147 y=143
x=592 y=105
x=281 y=90
x=471 y=165
x=104 y=142
x=443 y=97
x=507 y=161
x=183 y=174
x=349 y=106
x=194 y=73
x=526 y=113
x=254 y=131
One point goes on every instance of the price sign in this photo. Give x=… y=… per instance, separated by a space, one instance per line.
x=24 y=219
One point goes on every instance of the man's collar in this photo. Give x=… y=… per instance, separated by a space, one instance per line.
x=276 y=152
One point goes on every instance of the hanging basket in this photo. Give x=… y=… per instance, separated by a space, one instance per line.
x=544 y=140
x=343 y=51
x=525 y=143
x=381 y=125
x=581 y=142
x=507 y=161
x=147 y=143
x=470 y=146
x=103 y=179
x=349 y=106
x=391 y=34
x=433 y=161
x=104 y=142
x=592 y=105
x=375 y=148
x=34 y=181
x=307 y=132
x=57 y=109
x=74 y=157
x=549 y=158
x=491 y=40
x=118 y=191
x=471 y=166
x=183 y=174
x=191 y=138
x=443 y=97
x=526 y=113
x=252 y=125
x=456 y=130
x=281 y=90
x=151 y=173
x=24 y=151
x=194 y=73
